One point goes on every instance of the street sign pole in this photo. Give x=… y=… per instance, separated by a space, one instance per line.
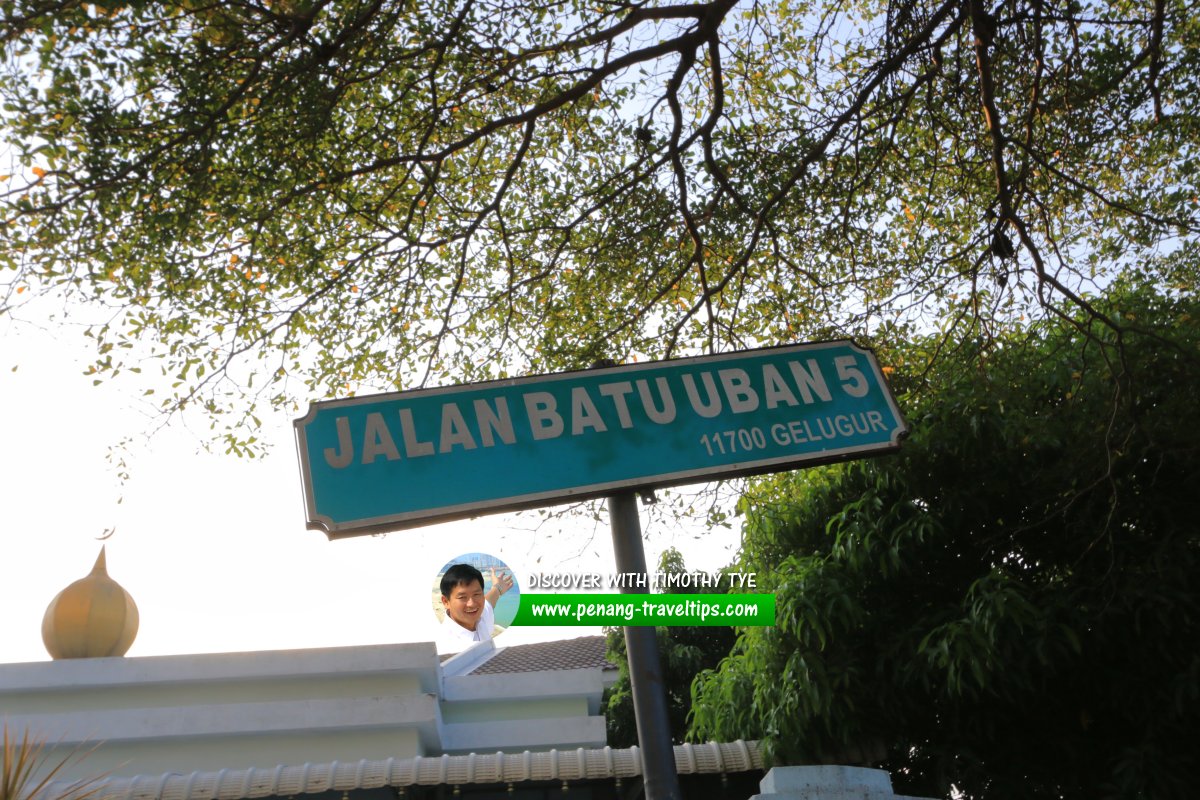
x=645 y=667
x=404 y=459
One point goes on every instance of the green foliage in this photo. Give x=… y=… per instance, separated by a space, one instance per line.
x=266 y=201
x=28 y=771
x=1009 y=605
x=683 y=651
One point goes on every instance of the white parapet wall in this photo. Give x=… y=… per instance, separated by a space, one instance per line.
x=139 y=716
x=222 y=712
x=827 y=782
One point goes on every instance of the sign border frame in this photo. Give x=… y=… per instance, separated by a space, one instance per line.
x=410 y=519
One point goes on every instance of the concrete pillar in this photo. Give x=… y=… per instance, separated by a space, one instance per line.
x=827 y=782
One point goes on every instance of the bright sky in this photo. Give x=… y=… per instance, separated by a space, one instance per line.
x=213 y=548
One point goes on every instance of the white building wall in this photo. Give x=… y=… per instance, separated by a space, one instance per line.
x=237 y=711
x=146 y=716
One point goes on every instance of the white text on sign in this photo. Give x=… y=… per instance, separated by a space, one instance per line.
x=486 y=422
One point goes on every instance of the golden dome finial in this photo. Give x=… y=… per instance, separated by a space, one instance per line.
x=92 y=618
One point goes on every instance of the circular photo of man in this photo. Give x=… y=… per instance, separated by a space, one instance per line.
x=475 y=597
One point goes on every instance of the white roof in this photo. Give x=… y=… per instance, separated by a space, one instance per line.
x=557 y=765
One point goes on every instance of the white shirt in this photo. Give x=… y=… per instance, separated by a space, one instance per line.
x=454 y=637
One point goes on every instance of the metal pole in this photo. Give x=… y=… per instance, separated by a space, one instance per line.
x=645 y=668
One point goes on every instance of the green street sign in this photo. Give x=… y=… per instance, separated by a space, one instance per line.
x=404 y=459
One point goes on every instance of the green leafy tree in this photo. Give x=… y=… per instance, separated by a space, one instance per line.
x=1009 y=606
x=272 y=198
x=684 y=652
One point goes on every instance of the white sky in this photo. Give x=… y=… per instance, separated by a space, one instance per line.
x=213 y=548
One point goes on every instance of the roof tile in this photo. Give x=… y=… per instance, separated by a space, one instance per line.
x=584 y=652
